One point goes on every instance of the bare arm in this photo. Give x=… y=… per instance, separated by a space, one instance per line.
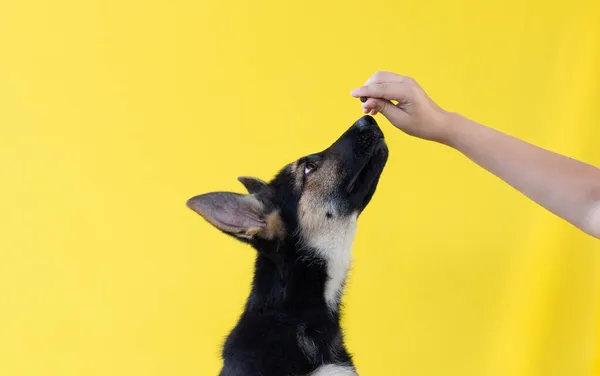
x=566 y=187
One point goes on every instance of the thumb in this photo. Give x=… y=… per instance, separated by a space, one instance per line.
x=394 y=114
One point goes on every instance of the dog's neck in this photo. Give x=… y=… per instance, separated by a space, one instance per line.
x=334 y=246
x=303 y=278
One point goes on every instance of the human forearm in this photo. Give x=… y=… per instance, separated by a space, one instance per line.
x=564 y=186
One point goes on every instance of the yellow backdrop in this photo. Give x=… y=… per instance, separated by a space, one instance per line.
x=113 y=113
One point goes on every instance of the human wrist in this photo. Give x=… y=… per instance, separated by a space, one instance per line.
x=451 y=126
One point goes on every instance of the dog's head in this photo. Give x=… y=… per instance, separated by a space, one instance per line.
x=313 y=201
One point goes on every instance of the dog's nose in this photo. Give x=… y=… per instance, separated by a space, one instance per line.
x=365 y=122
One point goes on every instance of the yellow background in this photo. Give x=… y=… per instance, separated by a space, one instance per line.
x=113 y=113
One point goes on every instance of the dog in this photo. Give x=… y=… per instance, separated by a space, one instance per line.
x=302 y=225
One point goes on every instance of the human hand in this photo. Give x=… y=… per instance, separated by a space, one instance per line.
x=414 y=112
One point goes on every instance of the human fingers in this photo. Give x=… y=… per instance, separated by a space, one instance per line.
x=384 y=76
x=384 y=90
x=394 y=114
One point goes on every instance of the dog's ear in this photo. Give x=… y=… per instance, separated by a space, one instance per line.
x=253 y=185
x=242 y=216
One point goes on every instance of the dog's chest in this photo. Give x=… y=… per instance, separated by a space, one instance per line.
x=335 y=246
x=334 y=370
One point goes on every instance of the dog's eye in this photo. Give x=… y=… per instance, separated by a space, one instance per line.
x=309 y=167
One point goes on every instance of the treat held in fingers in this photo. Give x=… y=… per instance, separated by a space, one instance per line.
x=369 y=106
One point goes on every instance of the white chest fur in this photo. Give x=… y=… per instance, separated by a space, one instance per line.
x=334 y=370
x=333 y=242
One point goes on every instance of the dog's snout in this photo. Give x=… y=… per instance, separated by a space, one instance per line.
x=358 y=141
x=365 y=140
x=367 y=131
x=365 y=122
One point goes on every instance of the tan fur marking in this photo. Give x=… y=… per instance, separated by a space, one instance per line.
x=249 y=233
x=330 y=236
x=313 y=206
x=274 y=228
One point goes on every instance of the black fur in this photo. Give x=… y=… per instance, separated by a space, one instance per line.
x=287 y=327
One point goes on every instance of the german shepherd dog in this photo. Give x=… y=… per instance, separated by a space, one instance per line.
x=302 y=225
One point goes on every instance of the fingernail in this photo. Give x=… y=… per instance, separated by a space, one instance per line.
x=353 y=92
x=363 y=99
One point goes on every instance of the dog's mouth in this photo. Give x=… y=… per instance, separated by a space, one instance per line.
x=361 y=154
x=370 y=170
x=358 y=177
